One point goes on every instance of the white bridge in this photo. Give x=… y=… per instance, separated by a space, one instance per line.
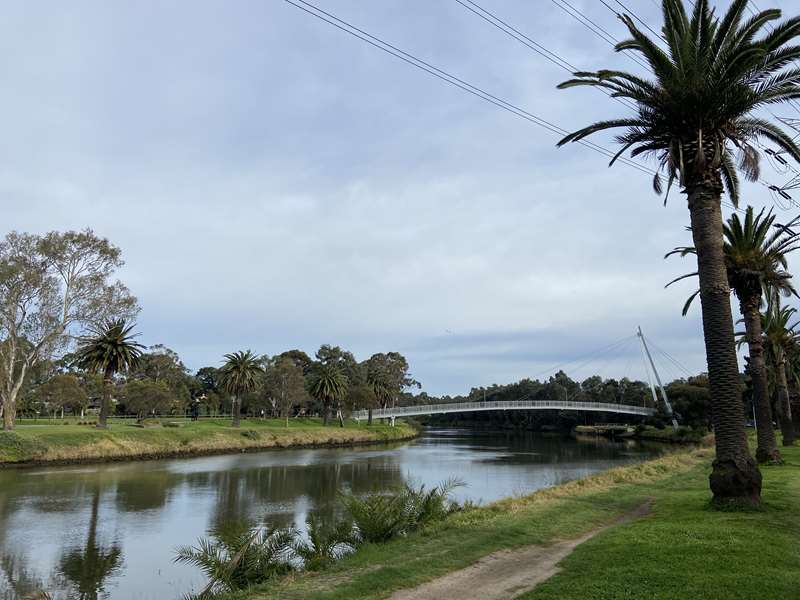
x=458 y=407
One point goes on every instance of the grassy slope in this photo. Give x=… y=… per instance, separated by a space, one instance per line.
x=683 y=549
x=45 y=443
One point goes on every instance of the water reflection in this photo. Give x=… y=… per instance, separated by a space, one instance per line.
x=66 y=530
x=88 y=567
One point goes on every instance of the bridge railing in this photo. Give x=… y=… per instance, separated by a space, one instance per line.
x=451 y=407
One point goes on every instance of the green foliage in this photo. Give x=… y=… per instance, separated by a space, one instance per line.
x=700 y=106
x=52 y=285
x=238 y=555
x=15 y=447
x=251 y=434
x=325 y=543
x=239 y=375
x=380 y=517
x=285 y=384
x=755 y=256
x=110 y=349
x=63 y=391
x=147 y=397
x=328 y=386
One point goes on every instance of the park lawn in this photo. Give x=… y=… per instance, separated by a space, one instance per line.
x=683 y=549
x=47 y=443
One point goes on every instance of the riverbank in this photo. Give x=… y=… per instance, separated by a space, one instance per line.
x=31 y=445
x=669 y=435
x=681 y=548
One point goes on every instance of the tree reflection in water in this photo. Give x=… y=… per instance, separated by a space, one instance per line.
x=88 y=568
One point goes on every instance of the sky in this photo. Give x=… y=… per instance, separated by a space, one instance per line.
x=275 y=183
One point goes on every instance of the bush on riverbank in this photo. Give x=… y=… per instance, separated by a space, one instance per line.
x=380 y=517
x=240 y=555
x=681 y=435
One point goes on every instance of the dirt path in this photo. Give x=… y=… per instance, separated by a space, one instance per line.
x=508 y=573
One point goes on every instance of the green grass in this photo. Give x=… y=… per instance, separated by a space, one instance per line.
x=683 y=549
x=47 y=442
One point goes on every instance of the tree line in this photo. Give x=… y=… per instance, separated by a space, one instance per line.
x=67 y=342
x=689 y=398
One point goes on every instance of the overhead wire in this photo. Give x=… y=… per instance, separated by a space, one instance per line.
x=595 y=28
x=377 y=42
x=380 y=44
x=533 y=45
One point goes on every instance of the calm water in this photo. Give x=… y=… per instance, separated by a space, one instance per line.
x=110 y=531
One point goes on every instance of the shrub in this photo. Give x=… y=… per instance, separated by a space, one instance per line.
x=380 y=517
x=239 y=555
x=431 y=505
x=325 y=543
x=251 y=434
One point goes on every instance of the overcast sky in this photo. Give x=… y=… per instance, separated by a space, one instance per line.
x=275 y=183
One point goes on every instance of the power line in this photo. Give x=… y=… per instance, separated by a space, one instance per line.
x=533 y=45
x=414 y=61
x=598 y=30
x=354 y=31
x=635 y=16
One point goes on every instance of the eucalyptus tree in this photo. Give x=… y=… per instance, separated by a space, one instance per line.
x=286 y=385
x=779 y=338
x=238 y=376
x=111 y=349
x=52 y=288
x=755 y=252
x=389 y=374
x=328 y=386
x=696 y=112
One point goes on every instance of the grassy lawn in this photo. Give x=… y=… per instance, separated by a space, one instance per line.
x=45 y=442
x=683 y=549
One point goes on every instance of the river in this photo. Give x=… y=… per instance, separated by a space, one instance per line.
x=110 y=531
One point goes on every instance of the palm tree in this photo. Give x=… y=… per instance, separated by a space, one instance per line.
x=328 y=386
x=779 y=337
x=755 y=260
x=381 y=389
x=110 y=350
x=239 y=376
x=693 y=114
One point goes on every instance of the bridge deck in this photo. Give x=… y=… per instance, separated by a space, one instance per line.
x=456 y=407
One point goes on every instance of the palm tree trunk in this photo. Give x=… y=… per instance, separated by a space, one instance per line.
x=105 y=400
x=735 y=474
x=767 y=450
x=326 y=412
x=784 y=408
x=237 y=412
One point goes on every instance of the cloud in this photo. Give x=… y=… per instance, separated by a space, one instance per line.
x=275 y=183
